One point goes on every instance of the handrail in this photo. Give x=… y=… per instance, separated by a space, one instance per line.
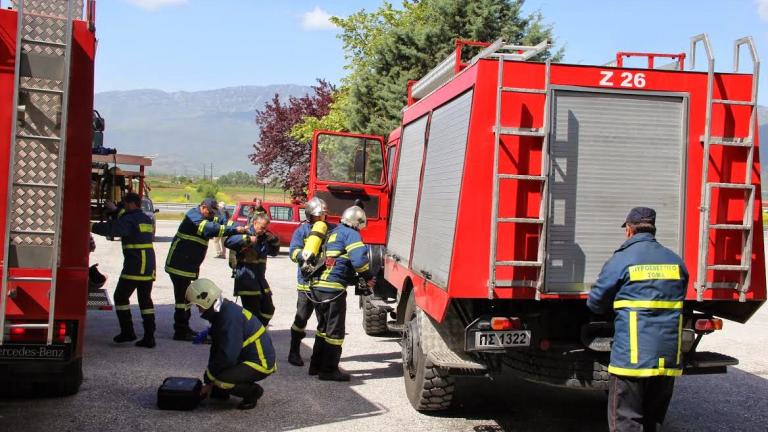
x=750 y=43
x=680 y=58
x=704 y=39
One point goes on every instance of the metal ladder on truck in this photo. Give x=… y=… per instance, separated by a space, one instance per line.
x=521 y=53
x=38 y=145
x=744 y=268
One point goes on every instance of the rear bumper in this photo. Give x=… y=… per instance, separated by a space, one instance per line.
x=703 y=363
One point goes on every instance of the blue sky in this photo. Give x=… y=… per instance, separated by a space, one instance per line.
x=205 y=44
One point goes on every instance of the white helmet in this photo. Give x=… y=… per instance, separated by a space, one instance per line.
x=203 y=292
x=315 y=207
x=354 y=217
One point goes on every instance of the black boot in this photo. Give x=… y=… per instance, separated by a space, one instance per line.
x=330 y=370
x=250 y=394
x=181 y=330
x=294 y=356
x=316 y=361
x=126 y=327
x=219 y=394
x=148 y=341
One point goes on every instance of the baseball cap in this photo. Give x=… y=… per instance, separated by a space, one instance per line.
x=641 y=215
x=210 y=203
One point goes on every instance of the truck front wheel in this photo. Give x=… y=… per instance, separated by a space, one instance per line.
x=429 y=388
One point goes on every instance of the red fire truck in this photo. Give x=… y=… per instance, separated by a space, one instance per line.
x=494 y=205
x=47 y=50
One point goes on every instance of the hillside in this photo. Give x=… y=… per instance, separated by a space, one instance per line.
x=185 y=130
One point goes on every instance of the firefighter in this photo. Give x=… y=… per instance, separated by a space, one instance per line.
x=241 y=350
x=222 y=218
x=346 y=255
x=644 y=284
x=187 y=253
x=135 y=230
x=316 y=210
x=252 y=249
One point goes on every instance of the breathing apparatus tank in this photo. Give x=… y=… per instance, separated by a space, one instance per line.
x=312 y=246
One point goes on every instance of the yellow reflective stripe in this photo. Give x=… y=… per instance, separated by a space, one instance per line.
x=260 y=368
x=221 y=230
x=642 y=373
x=143 y=262
x=334 y=341
x=201 y=227
x=301 y=287
x=182 y=306
x=123 y=307
x=331 y=238
x=138 y=246
x=364 y=267
x=170 y=252
x=254 y=337
x=333 y=254
x=679 y=337
x=248 y=314
x=661 y=363
x=196 y=239
x=295 y=254
x=328 y=284
x=148 y=311
x=137 y=278
x=218 y=383
x=654 y=272
x=267 y=316
x=648 y=304
x=249 y=293
x=294 y=327
x=353 y=246
x=633 y=337
x=178 y=272
x=327 y=272
x=121 y=213
x=145 y=228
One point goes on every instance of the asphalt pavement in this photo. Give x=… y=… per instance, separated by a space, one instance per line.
x=121 y=381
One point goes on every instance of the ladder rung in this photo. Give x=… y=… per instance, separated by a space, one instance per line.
x=41 y=90
x=43 y=42
x=516 y=283
x=521 y=177
x=521 y=220
x=728 y=267
x=38 y=137
x=523 y=90
x=40 y=185
x=518 y=263
x=534 y=132
x=29 y=279
x=730 y=227
x=722 y=285
x=731 y=185
x=731 y=102
x=33 y=232
x=729 y=141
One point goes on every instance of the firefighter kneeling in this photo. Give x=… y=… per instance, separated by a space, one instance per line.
x=345 y=255
x=241 y=350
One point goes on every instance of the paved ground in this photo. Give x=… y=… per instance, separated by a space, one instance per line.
x=121 y=381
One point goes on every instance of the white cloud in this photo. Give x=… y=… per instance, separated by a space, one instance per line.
x=762 y=9
x=156 y=4
x=316 y=19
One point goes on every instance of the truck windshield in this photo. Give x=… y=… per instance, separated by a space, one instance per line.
x=349 y=160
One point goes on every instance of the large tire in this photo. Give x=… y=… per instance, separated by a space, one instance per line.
x=428 y=388
x=374 y=318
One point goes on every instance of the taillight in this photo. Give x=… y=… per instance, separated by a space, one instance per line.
x=505 y=323
x=36 y=332
x=708 y=325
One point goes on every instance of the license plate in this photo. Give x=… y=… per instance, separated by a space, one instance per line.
x=502 y=339
x=34 y=352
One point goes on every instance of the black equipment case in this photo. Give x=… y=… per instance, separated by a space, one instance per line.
x=178 y=393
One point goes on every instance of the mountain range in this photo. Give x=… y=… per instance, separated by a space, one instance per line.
x=182 y=131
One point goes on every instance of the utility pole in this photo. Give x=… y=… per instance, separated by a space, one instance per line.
x=203 y=172
x=211 y=172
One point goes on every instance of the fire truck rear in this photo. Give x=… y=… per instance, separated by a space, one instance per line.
x=46 y=101
x=494 y=206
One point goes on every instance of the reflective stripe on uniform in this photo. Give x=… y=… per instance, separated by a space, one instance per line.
x=302 y=287
x=138 y=246
x=248 y=314
x=196 y=239
x=328 y=284
x=145 y=228
x=264 y=315
x=181 y=306
x=218 y=383
x=295 y=254
x=654 y=272
x=333 y=341
x=364 y=267
x=123 y=307
x=294 y=327
x=201 y=227
x=137 y=278
x=648 y=304
x=143 y=261
x=354 y=246
x=254 y=337
x=644 y=373
x=248 y=293
x=221 y=230
x=178 y=272
x=148 y=311
x=633 y=355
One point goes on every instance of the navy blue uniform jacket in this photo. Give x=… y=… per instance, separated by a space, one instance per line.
x=135 y=231
x=191 y=243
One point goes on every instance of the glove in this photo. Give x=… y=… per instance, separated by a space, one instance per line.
x=201 y=337
x=371 y=283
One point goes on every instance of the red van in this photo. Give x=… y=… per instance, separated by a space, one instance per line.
x=285 y=217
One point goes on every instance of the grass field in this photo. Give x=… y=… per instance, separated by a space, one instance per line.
x=163 y=190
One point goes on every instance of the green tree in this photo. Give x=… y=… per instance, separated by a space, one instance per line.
x=387 y=47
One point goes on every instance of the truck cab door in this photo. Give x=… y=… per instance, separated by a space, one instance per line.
x=346 y=169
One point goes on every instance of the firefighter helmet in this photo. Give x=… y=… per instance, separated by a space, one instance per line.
x=354 y=217
x=315 y=207
x=203 y=292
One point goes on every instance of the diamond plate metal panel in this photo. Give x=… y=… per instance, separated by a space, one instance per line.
x=57 y=8
x=42 y=114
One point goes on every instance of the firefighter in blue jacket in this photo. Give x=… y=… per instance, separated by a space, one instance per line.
x=644 y=284
x=252 y=249
x=346 y=257
x=241 y=350
x=187 y=253
x=316 y=210
x=135 y=231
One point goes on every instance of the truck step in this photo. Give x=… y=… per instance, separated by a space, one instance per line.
x=452 y=360
x=98 y=299
x=707 y=362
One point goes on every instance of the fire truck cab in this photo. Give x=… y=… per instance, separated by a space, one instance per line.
x=503 y=192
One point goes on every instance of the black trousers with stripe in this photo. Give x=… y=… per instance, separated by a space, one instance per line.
x=181 y=313
x=638 y=404
x=123 y=292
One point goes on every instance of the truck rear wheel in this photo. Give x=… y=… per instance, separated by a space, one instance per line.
x=429 y=388
x=374 y=318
